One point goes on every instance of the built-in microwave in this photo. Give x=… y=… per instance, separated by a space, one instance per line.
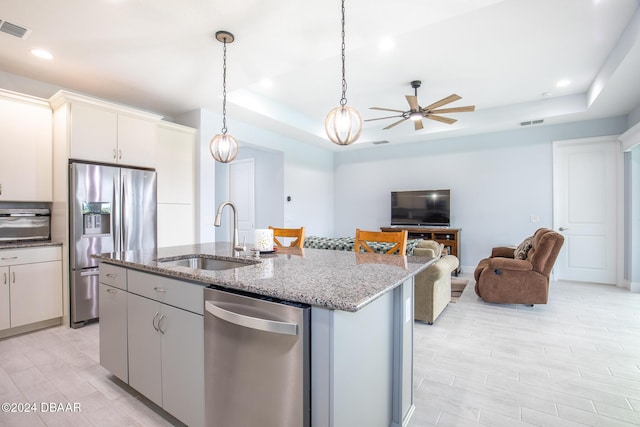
x=24 y=224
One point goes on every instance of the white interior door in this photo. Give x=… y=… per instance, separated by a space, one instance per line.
x=242 y=194
x=585 y=192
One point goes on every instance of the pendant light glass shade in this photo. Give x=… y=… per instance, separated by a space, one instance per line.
x=343 y=125
x=224 y=147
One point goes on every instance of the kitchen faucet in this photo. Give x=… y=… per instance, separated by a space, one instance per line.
x=237 y=248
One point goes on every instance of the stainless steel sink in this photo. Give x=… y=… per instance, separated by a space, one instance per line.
x=206 y=262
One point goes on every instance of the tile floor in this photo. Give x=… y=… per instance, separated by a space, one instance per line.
x=573 y=362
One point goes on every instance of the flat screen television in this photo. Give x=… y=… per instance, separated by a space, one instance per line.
x=421 y=208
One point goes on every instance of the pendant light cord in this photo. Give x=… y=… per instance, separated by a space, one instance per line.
x=343 y=100
x=224 y=88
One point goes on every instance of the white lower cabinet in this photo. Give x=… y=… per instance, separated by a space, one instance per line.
x=113 y=330
x=5 y=312
x=166 y=345
x=31 y=281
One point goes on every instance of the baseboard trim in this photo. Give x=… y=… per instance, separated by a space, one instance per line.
x=30 y=327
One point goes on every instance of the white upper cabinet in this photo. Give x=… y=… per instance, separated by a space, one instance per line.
x=176 y=163
x=25 y=147
x=104 y=132
x=176 y=184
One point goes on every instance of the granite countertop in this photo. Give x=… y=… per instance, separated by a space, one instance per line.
x=338 y=280
x=28 y=244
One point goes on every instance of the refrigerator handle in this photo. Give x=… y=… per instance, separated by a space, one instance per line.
x=115 y=232
x=283 y=328
x=123 y=204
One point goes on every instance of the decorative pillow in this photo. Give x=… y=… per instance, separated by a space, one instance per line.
x=523 y=249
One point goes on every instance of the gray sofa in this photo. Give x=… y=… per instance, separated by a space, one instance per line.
x=432 y=291
x=432 y=286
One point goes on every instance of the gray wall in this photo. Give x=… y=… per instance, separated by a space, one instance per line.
x=497 y=182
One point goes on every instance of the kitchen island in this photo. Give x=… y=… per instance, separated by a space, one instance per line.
x=361 y=325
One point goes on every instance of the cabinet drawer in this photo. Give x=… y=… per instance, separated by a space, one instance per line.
x=113 y=275
x=177 y=293
x=30 y=255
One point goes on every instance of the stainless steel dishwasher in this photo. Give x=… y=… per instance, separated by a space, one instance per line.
x=257 y=368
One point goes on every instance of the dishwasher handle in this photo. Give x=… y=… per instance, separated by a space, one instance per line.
x=283 y=328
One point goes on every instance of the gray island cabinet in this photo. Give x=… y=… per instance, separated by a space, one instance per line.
x=361 y=326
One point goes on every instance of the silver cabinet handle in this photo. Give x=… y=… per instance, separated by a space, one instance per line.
x=153 y=322
x=161 y=290
x=283 y=328
x=111 y=275
x=5 y=278
x=563 y=228
x=9 y=258
x=114 y=153
x=13 y=277
x=160 y=325
x=120 y=154
x=112 y=291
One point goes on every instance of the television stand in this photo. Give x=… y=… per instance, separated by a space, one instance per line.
x=449 y=237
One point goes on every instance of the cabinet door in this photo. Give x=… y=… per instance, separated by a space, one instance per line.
x=176 y=157
x=137 y=141
x=176 y=225
x=113 y=331
x=94 y=133
x=5 y=316
x=26 y=147
x=145 y=367
x=183 y=365
x=36 y=292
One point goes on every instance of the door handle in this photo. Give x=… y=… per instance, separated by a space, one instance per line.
x=283 y=328
x=563 y=228
x=160 y=325
x=153 y=322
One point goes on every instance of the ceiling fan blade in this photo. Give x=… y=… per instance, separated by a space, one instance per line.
x=413 y=102
x=418 y=125
x=382 y=118
x=394 y=124
x=385 y=109
x=454 y=110
x=441 y=119
x=443 y=101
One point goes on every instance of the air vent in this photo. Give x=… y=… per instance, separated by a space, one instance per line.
x=380 y=142
x=532 y=122
x=14 y=30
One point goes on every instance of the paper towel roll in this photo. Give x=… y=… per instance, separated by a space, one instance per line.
x=263 y=238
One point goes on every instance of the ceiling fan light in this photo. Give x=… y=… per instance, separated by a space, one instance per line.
x=415 y=116
x=223 y=148
x=343 y=125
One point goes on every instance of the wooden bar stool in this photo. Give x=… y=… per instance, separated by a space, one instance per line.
x=398 y=237
x=295 y=233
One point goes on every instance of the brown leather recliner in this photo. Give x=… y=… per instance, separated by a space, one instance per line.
x=504 y=279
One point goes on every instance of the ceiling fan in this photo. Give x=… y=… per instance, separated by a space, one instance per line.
x=416 y=112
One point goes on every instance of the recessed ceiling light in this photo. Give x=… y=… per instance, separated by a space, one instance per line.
x=266 y=83
x=41 y=53
x=563 y=83
x=386 y=44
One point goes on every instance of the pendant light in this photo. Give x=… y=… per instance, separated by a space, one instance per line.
x=224 y=147
x=343 y=124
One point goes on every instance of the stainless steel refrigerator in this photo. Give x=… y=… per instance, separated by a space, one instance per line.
x=111 y=209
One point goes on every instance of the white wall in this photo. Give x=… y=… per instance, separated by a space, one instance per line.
x=307 y=176
x=635 y=219
x=497 y=182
